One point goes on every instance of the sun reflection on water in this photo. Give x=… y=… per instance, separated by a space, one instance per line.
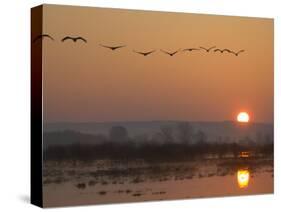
x=243 y=177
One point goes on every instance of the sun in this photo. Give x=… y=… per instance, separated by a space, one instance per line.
x=243 y=117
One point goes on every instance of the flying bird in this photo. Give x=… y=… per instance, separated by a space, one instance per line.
x=190 y=49
x=42 y=36
x=227 y=50
x=170 y=53
x=112 y=47
x=237 y=53
x=218 y=50
x=144 y=53
x=74 y=39
x=222 y=50
x=207 y=49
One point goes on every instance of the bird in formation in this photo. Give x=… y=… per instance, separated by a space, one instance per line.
x=144 y=53
x=74 y=39
x=207 y=49
x=222 y=50
x=237 y=53
x=170 y=53
x=113 y=47
x=190 y=49
x=42 y=36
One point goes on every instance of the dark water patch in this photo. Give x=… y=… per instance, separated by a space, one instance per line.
x=159 y=193
x=137 y=194
x=102 y=192
x=92 y=183
x=104 y=182
x=81 y=185
x=137 y=180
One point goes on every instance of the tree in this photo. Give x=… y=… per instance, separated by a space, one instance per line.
x=185 y=132
x=200 y=137
x=167 y=133
x=118 y=133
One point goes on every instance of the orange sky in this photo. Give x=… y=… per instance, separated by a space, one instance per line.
x=85 y=82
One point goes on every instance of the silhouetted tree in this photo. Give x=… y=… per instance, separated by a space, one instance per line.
x=235 y=149
x=200 y=137
x=167 y=133
x=185 y=132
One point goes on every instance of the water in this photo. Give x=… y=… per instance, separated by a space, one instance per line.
x=89 y=184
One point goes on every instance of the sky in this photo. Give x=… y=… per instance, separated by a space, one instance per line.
x=85 y=82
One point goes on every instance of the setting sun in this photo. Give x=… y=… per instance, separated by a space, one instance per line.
x=243 y=117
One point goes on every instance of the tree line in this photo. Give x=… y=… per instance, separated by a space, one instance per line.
x=119 y=146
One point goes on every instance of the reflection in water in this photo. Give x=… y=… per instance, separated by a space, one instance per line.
x=243 y=177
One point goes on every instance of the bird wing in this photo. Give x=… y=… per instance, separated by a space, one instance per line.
x=150 y=52
x=203 y=48
x=190 y=49
x=226 y=50
x=48 y=36
x=211 y=47
x=66 y=38
x=117 y=47
x=138 y=52
x=165 y=52
x=240 y=51
x=81 y=38
x=41 y=36
x=105 y=46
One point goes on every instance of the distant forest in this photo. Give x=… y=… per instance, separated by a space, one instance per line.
x=167 y=145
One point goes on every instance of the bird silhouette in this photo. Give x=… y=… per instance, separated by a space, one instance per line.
x=112 y=47
x=237 y=53
x=207 y=49
x=144 y=53
x=218 y=50
x=190 y=49
x=42 y=36
x=74 y=39
x=170 y=53
x=222 y=50
x=226 y=50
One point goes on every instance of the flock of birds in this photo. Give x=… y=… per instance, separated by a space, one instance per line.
x=113 y=48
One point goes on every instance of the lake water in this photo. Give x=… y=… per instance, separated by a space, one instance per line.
x=66 y=184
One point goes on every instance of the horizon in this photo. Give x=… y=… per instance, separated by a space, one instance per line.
x=142 y=121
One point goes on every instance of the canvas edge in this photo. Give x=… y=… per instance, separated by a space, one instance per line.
x=36 y=188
